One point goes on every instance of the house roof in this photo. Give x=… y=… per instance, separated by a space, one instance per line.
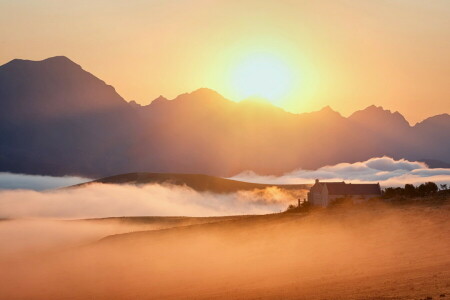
x=342 y=188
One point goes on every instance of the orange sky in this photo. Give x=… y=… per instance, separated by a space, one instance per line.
x=342 y=53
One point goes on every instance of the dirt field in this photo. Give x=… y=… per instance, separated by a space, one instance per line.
x=367 y=252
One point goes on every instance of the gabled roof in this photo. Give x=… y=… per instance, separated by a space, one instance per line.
x=342 y=188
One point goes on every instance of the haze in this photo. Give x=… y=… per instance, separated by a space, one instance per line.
x=337 y=254
x=347 y=54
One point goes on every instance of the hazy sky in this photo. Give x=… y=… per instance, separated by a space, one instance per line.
x=342 y=53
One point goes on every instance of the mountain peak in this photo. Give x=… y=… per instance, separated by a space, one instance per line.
x=160 y=99
x=61 y=61
x=59 y=58
x=203 y=95
x=205 y=92
x=328 y=111
x=134 y=104
x=376 y=114
x=55 y=87
x=444 y=116
x=55 y=60
x=373 y=109
x=436 y=121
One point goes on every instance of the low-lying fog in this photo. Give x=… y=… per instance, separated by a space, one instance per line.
x=357 y=253
x=109 y=200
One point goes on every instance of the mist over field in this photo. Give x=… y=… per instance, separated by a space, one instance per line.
x=334 y=254
x=108 y=200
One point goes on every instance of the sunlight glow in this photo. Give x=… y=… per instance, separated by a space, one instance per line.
x=262 y=75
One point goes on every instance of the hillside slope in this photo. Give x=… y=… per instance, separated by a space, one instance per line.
x=366 y=252
x=198 y=182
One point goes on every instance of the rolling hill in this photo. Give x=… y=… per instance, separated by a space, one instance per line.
x=198 y=182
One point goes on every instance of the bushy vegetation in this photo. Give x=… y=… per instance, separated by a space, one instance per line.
x=302 y=207
x=411 y=191
x=425 y=193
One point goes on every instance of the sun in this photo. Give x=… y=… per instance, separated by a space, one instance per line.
x=262 y=75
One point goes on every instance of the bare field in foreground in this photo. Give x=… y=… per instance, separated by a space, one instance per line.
x=366 y=252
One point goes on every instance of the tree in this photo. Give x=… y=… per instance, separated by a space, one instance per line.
x=410 y=190
x=305 y=206
x=302 y=207
x=391 y=192
x=432 y=187
x=427 y=188
x=444 y=187
x=291 y=207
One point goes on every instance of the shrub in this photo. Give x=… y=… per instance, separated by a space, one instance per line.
x=410 y=191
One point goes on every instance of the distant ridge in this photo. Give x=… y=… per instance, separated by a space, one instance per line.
x=198 y=182
x=58 y=119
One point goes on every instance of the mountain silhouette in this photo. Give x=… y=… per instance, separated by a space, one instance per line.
x=58 y=119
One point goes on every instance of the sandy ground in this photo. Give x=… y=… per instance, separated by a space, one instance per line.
x=367 y=252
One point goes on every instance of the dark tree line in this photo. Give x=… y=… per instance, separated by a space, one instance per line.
x=399 y=195
x=411 y=191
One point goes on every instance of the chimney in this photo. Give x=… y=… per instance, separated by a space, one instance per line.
x=317 y=180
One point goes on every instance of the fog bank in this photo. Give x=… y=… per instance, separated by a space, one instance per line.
x=385 y=170
x=370 y=252
x=108 y=200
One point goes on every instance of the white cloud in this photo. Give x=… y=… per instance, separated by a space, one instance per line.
x=385 y=170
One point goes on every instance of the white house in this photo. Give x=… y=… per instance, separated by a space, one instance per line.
x=323 y=193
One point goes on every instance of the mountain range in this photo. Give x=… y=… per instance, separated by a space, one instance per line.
x=58 y=119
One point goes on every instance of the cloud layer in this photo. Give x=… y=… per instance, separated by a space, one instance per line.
x=10 y=181
x=385 y=170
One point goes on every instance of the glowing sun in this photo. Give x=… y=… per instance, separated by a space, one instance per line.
x=262 y=75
